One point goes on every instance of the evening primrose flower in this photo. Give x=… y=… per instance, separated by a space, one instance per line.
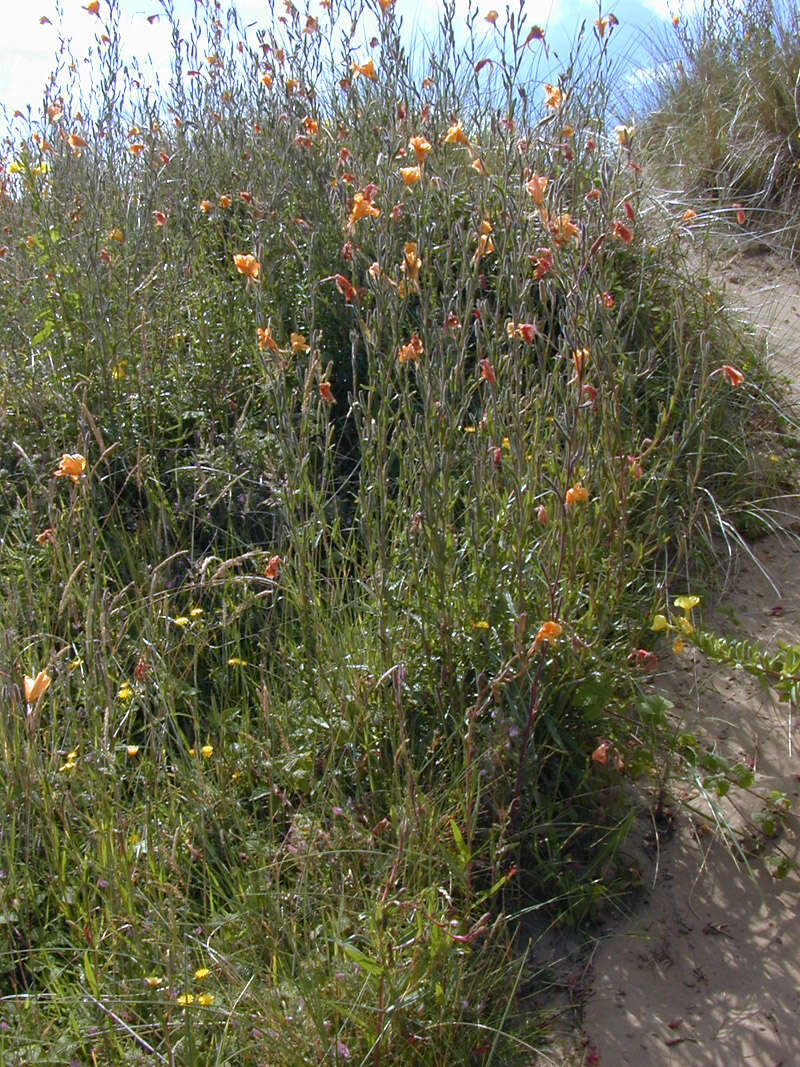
x=247 y=264
x=36 y=687
x=420 y=146
x=552 y=97
x=686 y=602
x=410 y=175
x=182 y=620
x=366 y=70
x=362 y=208
x=71 y=466
x=576 y=494
x=548 y=631
x=132 y=750
x=455 y=134
x=659 y=623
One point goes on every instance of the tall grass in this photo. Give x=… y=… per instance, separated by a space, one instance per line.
x=346 y=616
x=722 y=118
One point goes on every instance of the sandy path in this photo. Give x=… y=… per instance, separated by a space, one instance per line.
x=706 y=973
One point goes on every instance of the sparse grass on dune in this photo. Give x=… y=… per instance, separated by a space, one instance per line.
x=722 y=118
x=354 y=419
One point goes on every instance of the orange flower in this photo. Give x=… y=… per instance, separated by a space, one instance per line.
x=291 y=85
x=576 y=494
x=298 y=343
x=487 y=371
x=311 y=26
x=420 y=146
x=411 y=351
x=224 y=201
x=326 y=393
x=205 y=206
x=542 y=262
x=619 y=229
x=603 y=751
x=477 y=164
x=271 y=569
x=93 y=7
x=548 y=631
x=265 y=339
x=411 y=262
x=116 y=234
x=367 y=69
x=76 y=143
x=607 y=299
x=159 y=218
x=485 y=242
x=362 y=208
x=562 y=228
x=345 y=287
x=104 y=257
x=731 y=374
x=536 y=188
x=410 y=175
x=688 y=215
x=35 y=687
x=552 y=97
x=47 y=536
x=741 y=218
x=247 y=265
x=266 y=79
x=71 y=466
x=579 y=358
x=455 y=134
x=491 y=17
x=135 y=148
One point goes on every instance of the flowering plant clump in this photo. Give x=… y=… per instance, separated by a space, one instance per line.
x=401 y=410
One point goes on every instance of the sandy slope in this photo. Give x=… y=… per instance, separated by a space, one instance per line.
x=707 y=971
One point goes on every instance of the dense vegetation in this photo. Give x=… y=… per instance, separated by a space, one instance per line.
x=358 y=415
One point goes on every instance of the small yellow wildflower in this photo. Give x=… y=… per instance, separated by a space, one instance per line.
x=235 y=661
x=202 y=972
x=195 y=612
x=125 y=692
x=185 y=998
x=153 y=980
x=480 y=624
x=182 y=620
x=132 y=750
x=207 y=751
x=678 y=646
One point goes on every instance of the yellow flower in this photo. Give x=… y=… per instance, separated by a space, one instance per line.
x=71 y=466
x=205 y=998
x=686 y=602
x=195 y=612
x=124 y=692
x=202 y=972
x=685 y=625
x=115 y=234
x=207 y=751
x=678 y=646
x=153 y=980
x=35 y=687
x=185 y=998
x=181 y=620
x=235 y=661
x=132 y=750
x=119 y=370
x=659 y=623
x=480 y=624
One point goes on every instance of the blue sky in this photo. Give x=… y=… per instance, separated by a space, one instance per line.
x=26 y=54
